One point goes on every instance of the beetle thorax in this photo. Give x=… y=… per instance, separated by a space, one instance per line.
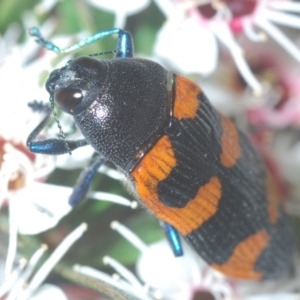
x=131 y=108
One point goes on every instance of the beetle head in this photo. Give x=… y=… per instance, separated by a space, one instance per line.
x=75 y=86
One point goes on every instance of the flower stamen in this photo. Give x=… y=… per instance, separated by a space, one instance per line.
x=252 y=34
x=13 y=277
x=279 y=37
x=124 y=272
x=285 y=5
x=115 y=281
x=13 y=236
x=114 y=174
x=224 y=34
x=129 y=236
x=101 y=196
x=54 y=258
x=284 y=19
x=24 y=276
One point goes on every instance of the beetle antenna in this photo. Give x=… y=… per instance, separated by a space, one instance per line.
x=103 y=53
x=59 y=126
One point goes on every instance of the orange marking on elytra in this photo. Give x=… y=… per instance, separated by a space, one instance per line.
x=231 y=150
x=242 y=261
x=157 y=166
x=186 y=103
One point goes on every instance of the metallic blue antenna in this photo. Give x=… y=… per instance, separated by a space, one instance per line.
x=124 y=47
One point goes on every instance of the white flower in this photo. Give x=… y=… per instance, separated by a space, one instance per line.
x=163 y=276
x=179 y=277
x=279 y=105
x=178 y=47
x=224 y=19
x=122 y=9
x=34 y=206
x=280 y=296
x=26 y=283
x=19 y=168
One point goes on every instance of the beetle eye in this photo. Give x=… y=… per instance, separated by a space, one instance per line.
x=67 y=99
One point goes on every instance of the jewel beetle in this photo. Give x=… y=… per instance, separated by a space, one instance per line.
x=186 y=162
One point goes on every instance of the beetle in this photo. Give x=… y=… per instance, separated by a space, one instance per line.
x=186 y=162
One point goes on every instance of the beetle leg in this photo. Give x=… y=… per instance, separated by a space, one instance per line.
x=53 y=146
x=173 y=238
x=124 y=48
x=85 y=179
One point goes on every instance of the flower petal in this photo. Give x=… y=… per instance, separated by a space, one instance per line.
x=49 y=291
x=177 y=275
x=287 y=296
x=127 y=7
x=78 y=159
x=41 y=206
x=187 y=47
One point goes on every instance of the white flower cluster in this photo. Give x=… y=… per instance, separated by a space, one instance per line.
x=191 y=41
